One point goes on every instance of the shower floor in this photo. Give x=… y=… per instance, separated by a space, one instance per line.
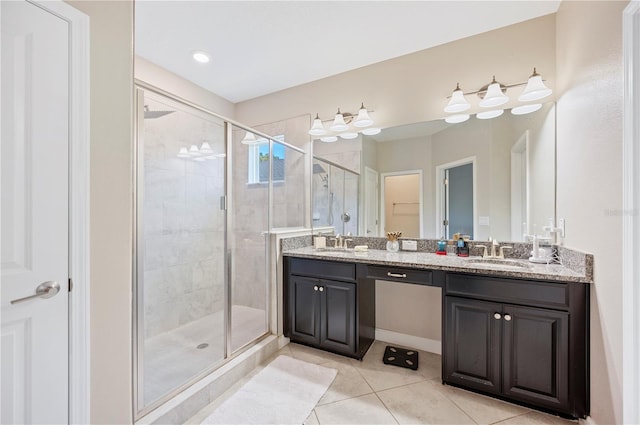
x=172 y=358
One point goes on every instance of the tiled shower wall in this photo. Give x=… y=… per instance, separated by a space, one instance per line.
x=290 y=209
x=183 y=224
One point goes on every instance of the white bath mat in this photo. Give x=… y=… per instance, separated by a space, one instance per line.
x=284 y=392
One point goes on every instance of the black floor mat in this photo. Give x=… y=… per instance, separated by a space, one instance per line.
x=401 y=357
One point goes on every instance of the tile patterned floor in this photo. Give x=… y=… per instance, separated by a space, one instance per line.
x=370 y=392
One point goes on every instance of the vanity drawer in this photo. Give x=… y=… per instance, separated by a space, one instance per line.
x=322 y=269
x=528 y=292
x=398 y=274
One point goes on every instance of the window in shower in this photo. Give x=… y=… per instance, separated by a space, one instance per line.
x=259 y=161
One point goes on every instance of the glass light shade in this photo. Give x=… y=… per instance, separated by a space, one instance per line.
x=249 y=138
x=363 y=119
x=183 y=153
x=205 y=148
x=317 y=129
x=458 y=103
x=329 y=139
x=535 y=89
x=193 y=150
x=526 y=109
x=348 y=135
x=338 y=123
x=489 y=114
x=455 y=119
x=494 y=96
x=371 y=131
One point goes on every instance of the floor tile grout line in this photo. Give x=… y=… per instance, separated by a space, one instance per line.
x=387 y=407
x=458 y=406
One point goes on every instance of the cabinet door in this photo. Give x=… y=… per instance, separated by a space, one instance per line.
x=535 y=356
x=472 y=343
x=338 y=307
x=304 y=308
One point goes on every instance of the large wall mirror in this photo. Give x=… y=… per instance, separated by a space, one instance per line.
x=484 y=178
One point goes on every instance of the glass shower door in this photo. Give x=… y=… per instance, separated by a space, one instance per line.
x=181 y=239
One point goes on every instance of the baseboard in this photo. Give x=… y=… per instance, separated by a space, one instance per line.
x=424 y=344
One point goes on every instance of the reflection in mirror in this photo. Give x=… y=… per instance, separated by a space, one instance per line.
x=508 y=190
x=335 y=197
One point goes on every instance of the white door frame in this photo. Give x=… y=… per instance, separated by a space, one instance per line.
x=365 y=204
x=519 y=149
x=79 y=140
x=382 y=200
x=439 y=192
x=631 y=217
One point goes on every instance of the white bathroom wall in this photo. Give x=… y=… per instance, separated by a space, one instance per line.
x=152 y=74
x=590 y=81
x=111 y=214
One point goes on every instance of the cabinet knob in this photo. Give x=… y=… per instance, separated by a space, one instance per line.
x=321 y=288
x=507 y=317
x=315 y=288
x=497 y=316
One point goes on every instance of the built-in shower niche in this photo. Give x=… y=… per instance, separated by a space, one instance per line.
x=334 y=197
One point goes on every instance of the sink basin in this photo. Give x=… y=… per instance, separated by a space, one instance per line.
x=500 y=263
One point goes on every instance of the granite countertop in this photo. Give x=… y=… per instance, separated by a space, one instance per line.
x=426 y=260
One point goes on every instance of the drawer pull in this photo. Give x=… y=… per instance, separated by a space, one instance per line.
x=315 y=288
x=507 y=317
x=402 y=275
x=321 y=288
x=497 y=316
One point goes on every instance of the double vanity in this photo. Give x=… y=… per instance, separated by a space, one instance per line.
x=511 y=329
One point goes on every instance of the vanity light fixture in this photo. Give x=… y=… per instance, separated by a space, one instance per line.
x=526 y=109
x=485 y=115
x=205 y=148
x=338 y=123
x=458 y=103
x=193 y=150
x=457 y=118
x=535 y=89
x=317 y=129
x=183 y=153
x=494 y=94
x=345 y=125
x=200 y=56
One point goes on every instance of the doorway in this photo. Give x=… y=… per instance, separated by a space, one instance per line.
x=402 y=203
x=45 y=86
x=456 y=198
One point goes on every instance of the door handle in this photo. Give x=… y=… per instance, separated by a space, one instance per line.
x=315 y=287
x=321 y=288
x=399 y=275
x=46 y=289
x=507 y=317
x=497 y=316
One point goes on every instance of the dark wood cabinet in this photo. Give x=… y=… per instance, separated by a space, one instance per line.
x=335 y=315
x=524 y=353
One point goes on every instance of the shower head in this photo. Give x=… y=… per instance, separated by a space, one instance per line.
x=154 y=114
x=317 y=169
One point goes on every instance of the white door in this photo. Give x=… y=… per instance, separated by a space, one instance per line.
x=371 y=194
x=34 y=159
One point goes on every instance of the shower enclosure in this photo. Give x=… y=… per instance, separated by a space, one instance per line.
x=204 y=204
x=335 y=197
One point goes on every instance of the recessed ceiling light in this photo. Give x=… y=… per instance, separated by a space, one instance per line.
x=200 y=56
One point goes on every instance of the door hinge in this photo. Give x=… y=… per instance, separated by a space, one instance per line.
x=445 y=182
x=223 y=203
x=70 y=285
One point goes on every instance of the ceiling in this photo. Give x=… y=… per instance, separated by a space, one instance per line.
x=260 y=47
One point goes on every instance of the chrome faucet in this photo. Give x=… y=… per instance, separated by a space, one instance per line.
x=497 y=251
